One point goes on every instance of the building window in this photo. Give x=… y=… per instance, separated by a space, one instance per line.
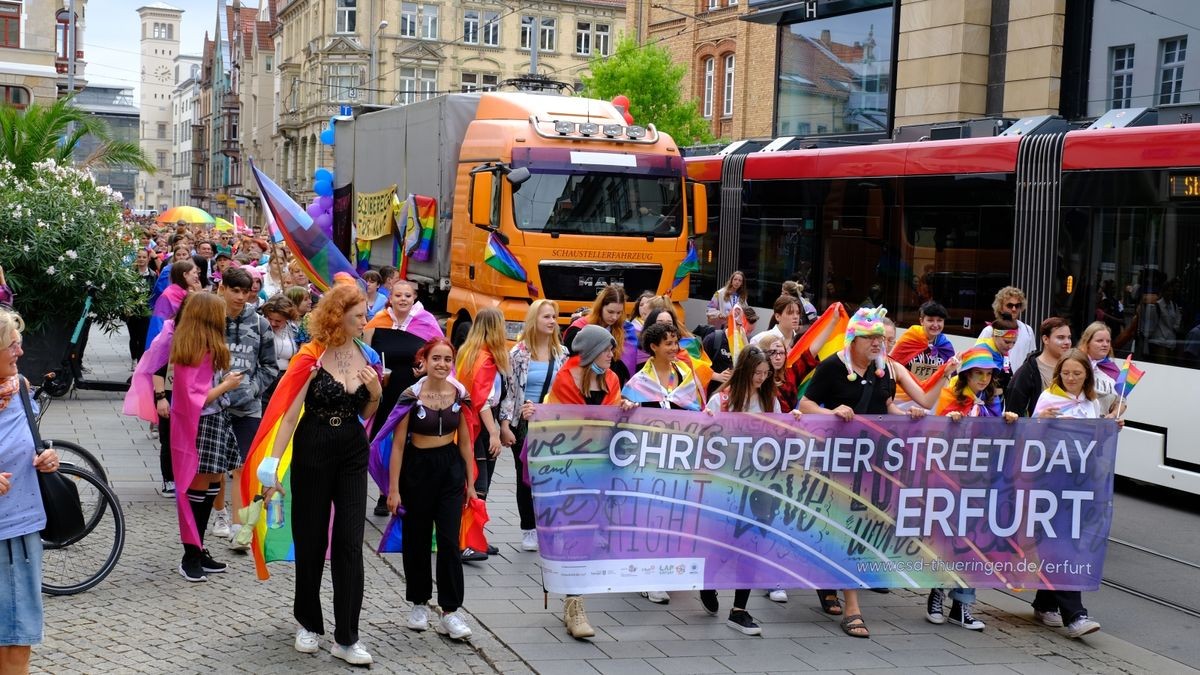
x=727 y=94
x=1122 y=76
x=526 y=29
x=491 y=29
x=162 y=184
x=546 y=37
x=162 y=130
x=1172 y=54
x=583 y=38
x=471 y=27
x=268 y=63
x=418 y=19
x=408 y=20
x=161 y=159
x=479 y=82
x=417 y=84
x=10 y=25
x=714 y=4
x=603 y=41
x=17 y=97
x=429 y=22
x=61 y=28
x=343 y=82
x=710 y=66
x=347 y=16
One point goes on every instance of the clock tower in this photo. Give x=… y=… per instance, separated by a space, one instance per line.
x=160 y=25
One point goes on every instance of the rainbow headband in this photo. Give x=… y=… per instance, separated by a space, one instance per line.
x=1010 y=334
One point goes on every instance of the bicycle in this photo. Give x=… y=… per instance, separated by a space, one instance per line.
x=85 y=560
x=69 y=376
x=68 y=452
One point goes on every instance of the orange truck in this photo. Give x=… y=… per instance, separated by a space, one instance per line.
x=561 y=185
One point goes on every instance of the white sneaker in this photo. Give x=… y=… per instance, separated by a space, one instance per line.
x=418 y=618
x=234 y=544
x=529 y=540
x=1082 y=626
x=220 y=522
x=355 y=654
x=306 y=642
x=778 y=595
x=657 y=597
x=1052 y=618
x=453 y=625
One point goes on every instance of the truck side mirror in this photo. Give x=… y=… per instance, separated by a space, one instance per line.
x=517 y=176
x=480 y=206
x=699 y=209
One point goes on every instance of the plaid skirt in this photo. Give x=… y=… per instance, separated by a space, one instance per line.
x=216 y=445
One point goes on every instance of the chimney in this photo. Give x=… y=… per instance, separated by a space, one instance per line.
x=826 y=37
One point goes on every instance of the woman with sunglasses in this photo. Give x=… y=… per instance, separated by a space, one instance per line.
x=1010 y=300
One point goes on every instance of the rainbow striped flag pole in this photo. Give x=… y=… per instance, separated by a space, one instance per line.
x=1128 y=378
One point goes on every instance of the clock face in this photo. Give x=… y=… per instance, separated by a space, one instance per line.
x=163 y=73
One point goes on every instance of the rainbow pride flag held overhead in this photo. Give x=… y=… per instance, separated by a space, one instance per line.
x=1128 y=378
x=319 y=257
x=689 y=264
x=499 y=258
x=829 y=332
x=272 y=227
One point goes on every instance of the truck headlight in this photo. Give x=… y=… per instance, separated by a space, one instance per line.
x=512 y=329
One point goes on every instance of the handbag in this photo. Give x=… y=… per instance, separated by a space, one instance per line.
x=60 y=496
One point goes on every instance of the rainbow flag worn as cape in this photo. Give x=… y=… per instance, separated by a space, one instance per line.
x=691 y=350
x=379 y=464
x=319 y=257
x=274 y=544
x=689 y=264
x=1076 y=407
x=913 y=342
x=644 y=387
x=499 y=258
x=827 y=335
x=1128 y=378
x=166 y=307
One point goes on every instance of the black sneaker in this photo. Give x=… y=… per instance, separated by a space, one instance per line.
x=960 y=615
x=492 y=550
x=935 y=609
x=710 y=602
x=471 y=555
x=191 y=570
x=209 y=565
x=740 y=620
x=381 y=508
x=883 y=591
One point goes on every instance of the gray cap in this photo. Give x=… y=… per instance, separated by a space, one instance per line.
x=590 y=342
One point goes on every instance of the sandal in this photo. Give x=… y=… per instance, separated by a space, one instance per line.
x=830 y=603
x=854 y=626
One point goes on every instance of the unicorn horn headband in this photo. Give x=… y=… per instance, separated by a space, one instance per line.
x=866 y=322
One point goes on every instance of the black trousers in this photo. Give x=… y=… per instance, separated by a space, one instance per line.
x=138 y=326
x=740 y=597
x=485 y=464
x=524 y=491
x=1068 y=603
x=329 y=468
x=432 y=487
x=164 y=447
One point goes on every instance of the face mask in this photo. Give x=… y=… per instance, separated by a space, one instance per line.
x=597 y=369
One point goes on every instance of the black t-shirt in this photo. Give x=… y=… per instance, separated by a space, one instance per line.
x=716 y=346
x=830 y=388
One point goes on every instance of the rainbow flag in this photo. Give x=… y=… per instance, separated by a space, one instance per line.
x=829 y=332
x=499 y=258
x=318 y=256
x=424 y=217
x=272 y=228
x=689 y=264
x=362 y=255
x=691 y=350
x=737 y=328
x=1128 y=378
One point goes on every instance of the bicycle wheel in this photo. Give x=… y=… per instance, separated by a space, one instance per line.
x=73 y=453
x=82 y=563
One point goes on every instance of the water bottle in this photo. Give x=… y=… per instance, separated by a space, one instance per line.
x=275 y=511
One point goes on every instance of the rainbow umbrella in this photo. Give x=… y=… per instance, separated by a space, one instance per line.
x=187 y=214
x=223 y=225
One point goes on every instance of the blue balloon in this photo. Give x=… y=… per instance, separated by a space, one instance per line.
x=323 y=174
x=323 y=188
x=327 y=137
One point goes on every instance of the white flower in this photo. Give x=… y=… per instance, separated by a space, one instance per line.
x=42 y=224
x=26 y=247
x=50 y=270
x=61 y=258
x=71 y=277
x=72 y=254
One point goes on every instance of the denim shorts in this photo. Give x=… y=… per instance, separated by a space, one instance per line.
x=21 y=590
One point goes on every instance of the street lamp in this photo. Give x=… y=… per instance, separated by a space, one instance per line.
x=372 y=84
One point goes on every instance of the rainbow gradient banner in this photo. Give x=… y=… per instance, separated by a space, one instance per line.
x=655 y=499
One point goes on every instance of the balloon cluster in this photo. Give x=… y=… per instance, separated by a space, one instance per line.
x=321 y=209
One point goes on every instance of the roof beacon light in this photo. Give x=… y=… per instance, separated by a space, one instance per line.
x=635 y=132
x=563 y=127
x=613 y=130
x=589 y=128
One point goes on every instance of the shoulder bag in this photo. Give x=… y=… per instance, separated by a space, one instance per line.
x=60 y=497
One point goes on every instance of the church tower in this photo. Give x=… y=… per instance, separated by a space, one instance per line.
x=160 y=26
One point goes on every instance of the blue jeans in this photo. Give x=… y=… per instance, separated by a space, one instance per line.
x=965 y=596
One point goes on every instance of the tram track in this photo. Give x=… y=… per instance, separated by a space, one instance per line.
x=1159 y=568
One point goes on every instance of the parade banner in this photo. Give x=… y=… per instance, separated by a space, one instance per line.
x=373 y=213
x=654 y=499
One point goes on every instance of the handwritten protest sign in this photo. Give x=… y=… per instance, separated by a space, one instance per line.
x=373 y=213
x=668 y=500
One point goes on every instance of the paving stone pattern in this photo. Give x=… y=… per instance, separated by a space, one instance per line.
x=145 y=618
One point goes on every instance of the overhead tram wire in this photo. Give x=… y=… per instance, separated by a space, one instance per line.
x=1161 y=16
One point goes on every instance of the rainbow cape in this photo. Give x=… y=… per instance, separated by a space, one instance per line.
x=319 y=257
x=419 y=322
x=275 y=544
x=689 y=264
x=691 y=351
x=499 y=258
x=912 y=343
x=379 y=465
x=1128 y=377
x=564 y=390
x=825 y=337
x=644 y=387
x=1068 y=405
x=139 y=400
x=1110 y=367
x=974 y=406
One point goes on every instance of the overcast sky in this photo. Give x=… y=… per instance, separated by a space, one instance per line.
x=110 y=43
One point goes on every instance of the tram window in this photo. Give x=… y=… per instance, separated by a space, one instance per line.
x=703 y=282
x=774 y=250
x=1132 y=260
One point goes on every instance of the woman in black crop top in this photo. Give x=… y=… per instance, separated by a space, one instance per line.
x=430 y=476
x=329 y=469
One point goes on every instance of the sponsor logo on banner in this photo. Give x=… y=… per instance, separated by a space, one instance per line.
x=655 y=499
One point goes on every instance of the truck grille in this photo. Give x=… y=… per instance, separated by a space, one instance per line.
x=581 y=281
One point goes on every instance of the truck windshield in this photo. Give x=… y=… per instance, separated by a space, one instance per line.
x=617 y=204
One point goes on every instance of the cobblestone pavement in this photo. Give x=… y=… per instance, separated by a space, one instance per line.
x=145 y=618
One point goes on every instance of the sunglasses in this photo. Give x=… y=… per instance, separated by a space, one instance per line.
x=1014 y=305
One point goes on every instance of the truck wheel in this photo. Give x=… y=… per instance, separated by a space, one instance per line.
x=461 y=328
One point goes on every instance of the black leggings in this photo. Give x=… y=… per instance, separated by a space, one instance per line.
x=1067 y=603
x=524 y=491
x=329 y=468
x=164 y=447
x=432 y=487
x=485 y=464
